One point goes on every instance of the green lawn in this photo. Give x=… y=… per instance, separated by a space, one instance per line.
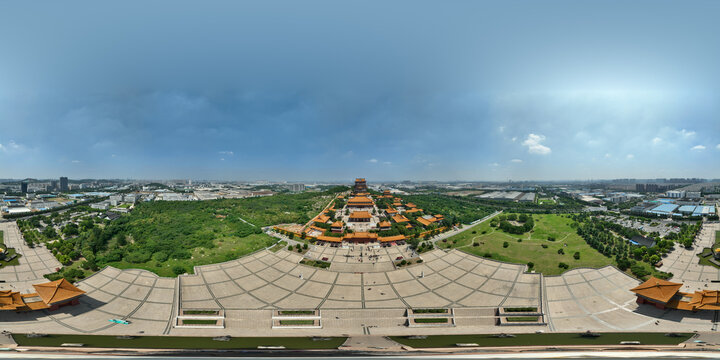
x=430 y=320
x=280 y=245
x=436 y=341
x=297 y=312
x=297 y=322
x=546 y=260
x=198 y=322
x=13 y=262
x=180 y=342
x=546 y=201
x=522 y=318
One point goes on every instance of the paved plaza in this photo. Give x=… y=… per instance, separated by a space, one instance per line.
x=269 y=280
x=34 y=263
x=683 y=263
x=249 y=291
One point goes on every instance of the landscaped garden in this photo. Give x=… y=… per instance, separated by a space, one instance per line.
x=554 y=339
x=180 y=342
x=550 y=242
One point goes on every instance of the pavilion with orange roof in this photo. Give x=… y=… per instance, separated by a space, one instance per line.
x=665 y=294
x=51 y=295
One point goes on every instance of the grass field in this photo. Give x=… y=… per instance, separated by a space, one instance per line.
x=297 y=322
x=531 y=249
x=449 y=341
x=430 y=320
x=198 y=322
x=522 y=318
x=179 y=342
x=546 y=201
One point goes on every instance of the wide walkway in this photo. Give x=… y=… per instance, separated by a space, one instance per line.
x=34 y=262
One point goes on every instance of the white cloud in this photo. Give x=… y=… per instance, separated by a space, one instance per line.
x=222 y=159
x=657 y=141
x=698 y=147
x=516 y=160
x=495 y=164
x=387 y=163
x=501 y=128
x=533 y=142
x=226 y=153
x=373 y=161
x=75 y=161
x=608 y=155
x=11 y=146
x=514 y=138
x=718 y=146
x=686 y=133
x=629 y=156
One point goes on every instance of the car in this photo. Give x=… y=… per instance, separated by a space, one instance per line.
x=119 y=321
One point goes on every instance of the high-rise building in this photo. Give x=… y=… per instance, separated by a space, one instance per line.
x=23 y=187
x=64 y=184
x=53 y=185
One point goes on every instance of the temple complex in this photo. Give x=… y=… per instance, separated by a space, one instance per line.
x=365 y=217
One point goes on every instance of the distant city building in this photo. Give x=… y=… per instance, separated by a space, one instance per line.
x=674 y=194
x=652 y=188
x=23 y=187
x=64 y=184
x=693 y=194
x=116 y=199
x=295 y=187
x=53 y=185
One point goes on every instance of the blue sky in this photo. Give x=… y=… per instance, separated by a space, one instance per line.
x=286 y=90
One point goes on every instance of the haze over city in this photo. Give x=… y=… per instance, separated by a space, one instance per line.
x=418 y=90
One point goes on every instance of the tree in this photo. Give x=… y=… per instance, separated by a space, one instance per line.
x=178 y=270
x=654 y=259
x=530 y=265
x=506 y=244
x=576 y=255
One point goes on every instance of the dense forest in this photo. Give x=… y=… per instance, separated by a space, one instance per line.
x=169 y=237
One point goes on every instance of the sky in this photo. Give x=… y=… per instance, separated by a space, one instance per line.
x=332 y=90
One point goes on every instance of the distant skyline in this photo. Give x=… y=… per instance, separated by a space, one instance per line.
x=324 y=90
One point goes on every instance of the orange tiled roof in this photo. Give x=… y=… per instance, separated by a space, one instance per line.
x=439 y=217
x=337 y=224
x=400 y=218
x=57 y=291
x=385 y=224
x=391 y=211
x=359 y=200
x=397 y=204
x=10 y=300
x=413 y=210
x=657 y=289
x=329 y=238
x=706 y=300
x=322 y=218
x=361 y=235
x=423 y=221
x=410 y=205
x=360 y=215
x=391 y=238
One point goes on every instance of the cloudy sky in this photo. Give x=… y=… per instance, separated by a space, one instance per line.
x=468 y=90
